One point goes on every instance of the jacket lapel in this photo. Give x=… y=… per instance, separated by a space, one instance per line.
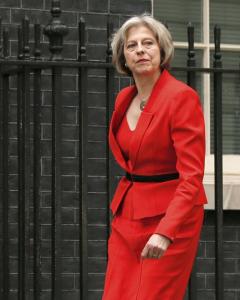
x=117 y=153
x=144 y=121
x=117 y=116
x=141 y=128
x=146 y=118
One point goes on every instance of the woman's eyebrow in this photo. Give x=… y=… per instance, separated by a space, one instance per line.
x=130 y=41
x=145 y=38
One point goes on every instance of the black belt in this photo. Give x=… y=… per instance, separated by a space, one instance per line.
x=151 y=178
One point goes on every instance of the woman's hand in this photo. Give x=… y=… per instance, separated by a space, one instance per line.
x=155 y=247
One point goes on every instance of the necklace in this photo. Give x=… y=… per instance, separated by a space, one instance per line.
x=143 y=103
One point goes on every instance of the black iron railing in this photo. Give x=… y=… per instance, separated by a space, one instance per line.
x=25 y=67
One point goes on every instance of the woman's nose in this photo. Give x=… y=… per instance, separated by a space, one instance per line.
x=140 y=48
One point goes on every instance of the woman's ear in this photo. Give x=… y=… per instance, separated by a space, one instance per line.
x=162 y=56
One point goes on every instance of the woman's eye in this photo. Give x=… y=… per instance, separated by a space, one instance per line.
x=131 y=46
x=148 y=43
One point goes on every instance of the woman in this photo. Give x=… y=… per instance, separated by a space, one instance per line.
x=157 y=136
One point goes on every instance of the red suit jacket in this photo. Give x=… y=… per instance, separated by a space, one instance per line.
x=169 y=138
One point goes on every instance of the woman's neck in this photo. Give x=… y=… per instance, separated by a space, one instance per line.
x=145 y=84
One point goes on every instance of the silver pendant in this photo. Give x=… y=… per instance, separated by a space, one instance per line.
x=142 y=105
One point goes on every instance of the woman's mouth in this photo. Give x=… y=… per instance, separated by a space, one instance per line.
x=142 y=60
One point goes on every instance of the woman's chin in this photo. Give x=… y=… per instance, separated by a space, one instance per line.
x=145 y=72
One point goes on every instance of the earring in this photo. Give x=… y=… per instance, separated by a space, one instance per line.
x=126 y=66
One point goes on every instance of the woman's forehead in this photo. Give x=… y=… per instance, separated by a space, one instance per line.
x=136 y=30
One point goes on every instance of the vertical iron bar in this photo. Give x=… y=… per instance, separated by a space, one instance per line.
x=191 y=81
x=5 y=199
x=26 y=154
x=218 y=168
x=25 y=172
x=56 y=181
x=1 y=193
x=109 y=110
x=1 y=167
x=1 y=54
x=55 y=31
x=1 y=173
x=37 y=167
x=5 y=204
x=83 y=125
x=21 y=255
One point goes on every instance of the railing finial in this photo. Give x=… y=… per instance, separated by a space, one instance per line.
x=82 y=40
x=217 y=42
x=109 y=35
x=20 y=42
x=37 y=36
x=25 y=37
x=191 y=61
x=190 y=30
x=55 y=31
x=5 y=43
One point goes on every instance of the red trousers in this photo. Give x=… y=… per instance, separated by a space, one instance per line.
x=129 y=277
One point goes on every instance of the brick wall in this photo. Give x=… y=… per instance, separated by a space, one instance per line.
x=231 y=250
x=95 y=13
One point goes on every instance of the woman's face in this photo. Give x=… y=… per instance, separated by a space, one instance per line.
x=142 y=52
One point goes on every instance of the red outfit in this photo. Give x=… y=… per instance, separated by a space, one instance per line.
x=169 y=138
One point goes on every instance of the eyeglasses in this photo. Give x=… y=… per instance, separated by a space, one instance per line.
x=146 y=44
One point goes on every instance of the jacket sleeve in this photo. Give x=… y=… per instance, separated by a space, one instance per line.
x=188 y=136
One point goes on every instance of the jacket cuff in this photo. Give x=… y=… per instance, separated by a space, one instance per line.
x=165 y=231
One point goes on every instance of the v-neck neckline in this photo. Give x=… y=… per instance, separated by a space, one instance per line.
x=132 y=130
x=150 y=101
